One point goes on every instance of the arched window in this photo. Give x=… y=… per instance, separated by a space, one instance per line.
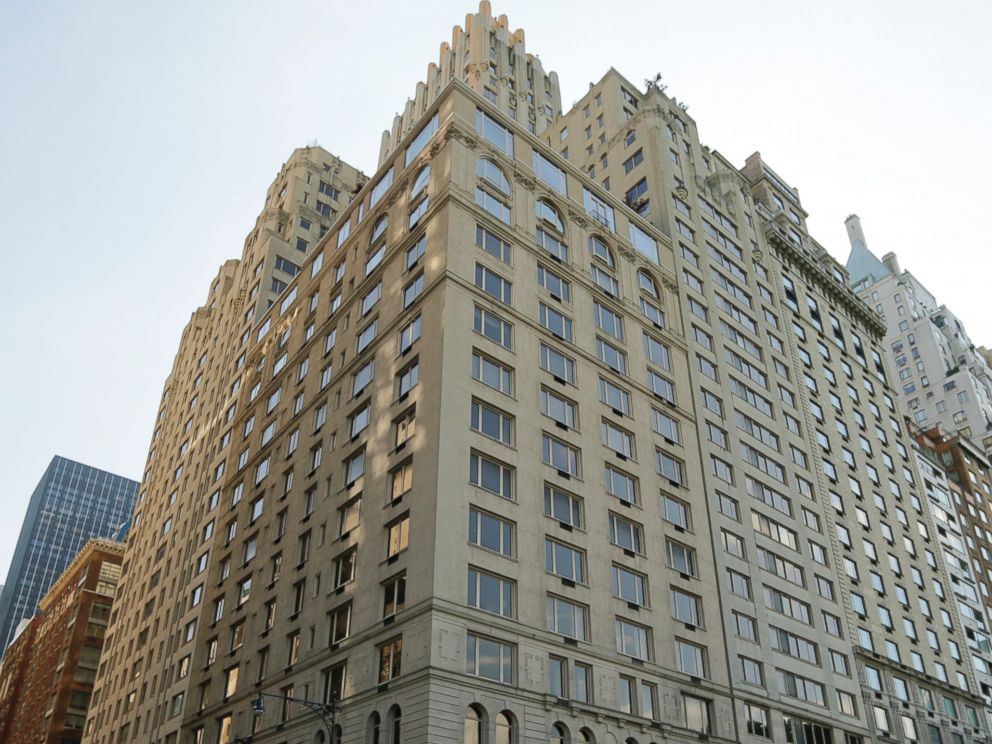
x=504 y=728
x=380 y=228
x=475 y=721
x=421 y=181
x=647 y=284
x=492 y=174
x=372 y=730
x=548 y=214
x=394 y=719
x=599 y=249
x=559 y=734
x=586 y=737
x=630 y=740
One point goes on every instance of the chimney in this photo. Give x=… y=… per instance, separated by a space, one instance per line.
x=891 y=263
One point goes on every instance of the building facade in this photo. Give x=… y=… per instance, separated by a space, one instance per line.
x=61 y=650
x=563 y=433
x=797 y=413
x=15 y=718
x=70 y=505
x=969 y=478
x=140 y=691
x=943 y=379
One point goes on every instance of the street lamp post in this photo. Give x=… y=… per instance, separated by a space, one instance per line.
x=327 y=712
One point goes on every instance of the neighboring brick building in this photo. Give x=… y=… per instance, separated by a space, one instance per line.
x=969 y=473
x=16 y=663
x=54 y=662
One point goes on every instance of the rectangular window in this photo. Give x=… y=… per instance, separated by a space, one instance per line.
x=560 y=455
x=421 y=140
x=671 y=468
x=494 y=132
x=390 y=657
x=611 y=356
x=490 y=532
x=563 y=506
x=491 y=475
x=608 y=321
x=626 y=534
x=557 y=286
x=560 y=409
x=559 y=324
x=619 y=440
x=490 y=659
x=615 y=397
x=561 y=367
x=599 y=210
x=548 y=172
x=491 y=422
x=633 y=640
x=410 y=334
x=493 y=284
x=492 y=245
x=564 y=561
x=681 y=558
x=630 y=586
x=567 y=618
x=493 y=327
x=492 y=373
x=490 y=593
x=690 y=658
x=687 y=608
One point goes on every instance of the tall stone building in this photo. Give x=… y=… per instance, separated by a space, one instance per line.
x=72 y=503
x=967 y=529
x=800 y=429
x=140 y=692
x=492 y=61
x=567 y=431
x=943 y=379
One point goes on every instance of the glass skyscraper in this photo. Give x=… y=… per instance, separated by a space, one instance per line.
x=71 y=504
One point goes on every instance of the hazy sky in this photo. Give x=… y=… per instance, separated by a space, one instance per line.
x=137 y=141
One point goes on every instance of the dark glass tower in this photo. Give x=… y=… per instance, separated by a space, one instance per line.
x=71 y=504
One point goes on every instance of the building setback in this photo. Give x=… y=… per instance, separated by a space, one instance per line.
x=70 y=505
x=943 y=379
x=799 y=428
x=139 y=695
x=60 y=651
x=565 y=431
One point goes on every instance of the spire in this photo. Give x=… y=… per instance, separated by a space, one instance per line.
x=863 y=266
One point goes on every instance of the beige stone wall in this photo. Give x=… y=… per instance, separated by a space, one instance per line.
x=144 y=675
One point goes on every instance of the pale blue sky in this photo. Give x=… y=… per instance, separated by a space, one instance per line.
x=137 y=140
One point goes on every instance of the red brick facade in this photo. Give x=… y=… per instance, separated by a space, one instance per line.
x=48 y=673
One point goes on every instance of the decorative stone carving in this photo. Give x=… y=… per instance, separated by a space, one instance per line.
x=524 y=180
x=578 y=218
x=626 y=252
x=461 y=135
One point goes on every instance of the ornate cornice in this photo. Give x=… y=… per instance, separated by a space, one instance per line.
x=840 y=294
